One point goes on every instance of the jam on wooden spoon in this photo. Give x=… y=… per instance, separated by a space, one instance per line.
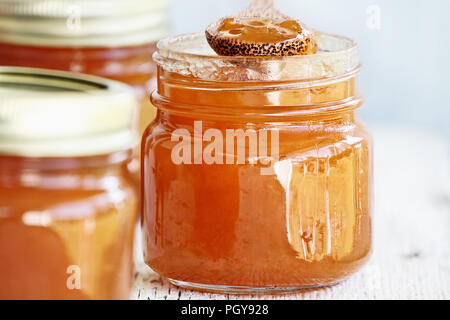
x=261 y=30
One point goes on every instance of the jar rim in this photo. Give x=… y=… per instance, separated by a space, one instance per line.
x=190 y=55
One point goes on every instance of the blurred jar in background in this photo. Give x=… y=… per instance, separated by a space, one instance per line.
x=111 y=39
x=68 y=205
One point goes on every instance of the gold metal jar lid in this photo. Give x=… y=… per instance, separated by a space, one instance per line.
x=83 y=23
x=47 y=113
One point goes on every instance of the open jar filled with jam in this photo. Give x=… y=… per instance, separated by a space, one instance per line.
x=111 y=39
x=68 y=204
x=257 y=172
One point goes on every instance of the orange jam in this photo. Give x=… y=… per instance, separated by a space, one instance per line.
x=111 y=40
x=68 y=204
x=247 y=36
x=257 y=172
x=261 y=30
x=64 y=218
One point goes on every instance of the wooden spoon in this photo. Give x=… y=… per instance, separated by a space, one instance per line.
x=260 y=30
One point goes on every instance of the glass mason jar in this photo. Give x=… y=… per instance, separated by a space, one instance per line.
x=68 y=205
x=257 y=172
x=111 y=39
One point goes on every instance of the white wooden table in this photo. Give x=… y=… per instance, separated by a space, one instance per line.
x=411 y=257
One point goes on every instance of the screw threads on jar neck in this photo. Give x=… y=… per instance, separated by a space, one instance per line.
x=194 y=80
x=257 y=100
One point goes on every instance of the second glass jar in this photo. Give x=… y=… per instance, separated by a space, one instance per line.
x=68 y=204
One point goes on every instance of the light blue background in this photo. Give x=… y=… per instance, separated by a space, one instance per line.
x=406 y=63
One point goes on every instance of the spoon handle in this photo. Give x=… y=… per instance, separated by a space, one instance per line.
x=262 y=9
x=263 y=5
